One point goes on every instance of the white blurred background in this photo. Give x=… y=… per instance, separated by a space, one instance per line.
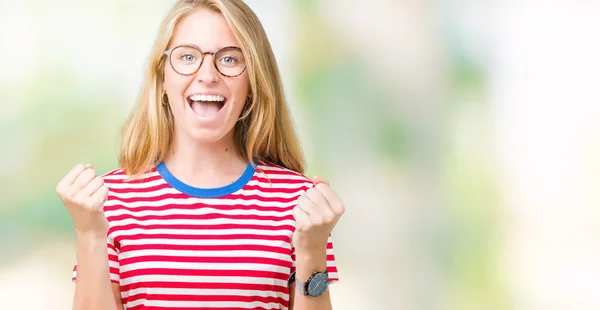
x=464 y=138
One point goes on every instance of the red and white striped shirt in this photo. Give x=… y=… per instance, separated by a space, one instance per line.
x=173 y=246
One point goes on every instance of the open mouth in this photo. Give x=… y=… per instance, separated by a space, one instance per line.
x=206 y=105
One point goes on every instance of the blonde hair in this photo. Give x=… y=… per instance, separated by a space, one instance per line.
x=264 y=131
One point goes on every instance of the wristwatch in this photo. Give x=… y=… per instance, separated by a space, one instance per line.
x=315 y=286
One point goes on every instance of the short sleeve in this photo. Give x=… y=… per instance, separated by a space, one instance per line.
x=331 y=264
x=113 y=263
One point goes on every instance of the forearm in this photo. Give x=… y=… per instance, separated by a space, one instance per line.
x=93 y=289
x=306 y=265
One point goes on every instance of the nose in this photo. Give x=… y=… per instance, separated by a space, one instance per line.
x=207 y=73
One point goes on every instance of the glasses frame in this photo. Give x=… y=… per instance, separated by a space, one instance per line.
x=202 y=54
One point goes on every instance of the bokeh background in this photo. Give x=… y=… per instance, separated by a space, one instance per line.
x=463 y=136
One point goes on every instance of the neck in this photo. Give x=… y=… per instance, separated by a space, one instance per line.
x=205 y=165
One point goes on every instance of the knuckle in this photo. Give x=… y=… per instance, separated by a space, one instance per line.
x=97 y=204
x=330 y=218
x=302 y=199
x=296 y=213
x=68 y=194
x=300 y=225
x=76 y=201
x=60 y=188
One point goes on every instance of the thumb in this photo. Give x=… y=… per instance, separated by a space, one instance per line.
x=316 y=180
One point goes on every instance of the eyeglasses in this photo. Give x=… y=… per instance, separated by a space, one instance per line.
x=187 y=60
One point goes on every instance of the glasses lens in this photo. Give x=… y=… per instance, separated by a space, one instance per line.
x=230 y=61
x=186 y=59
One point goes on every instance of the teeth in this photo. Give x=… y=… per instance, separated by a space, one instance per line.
x=207 y=98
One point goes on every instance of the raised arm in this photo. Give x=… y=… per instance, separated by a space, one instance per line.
x=83 y=193
x=318 y=210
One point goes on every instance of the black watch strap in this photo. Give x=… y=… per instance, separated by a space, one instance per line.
x=291 y=279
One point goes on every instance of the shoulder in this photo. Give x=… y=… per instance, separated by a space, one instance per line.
x=114 y=176
x=276 y=174
x=113 y=173
x=274 y=169
x=118 y=178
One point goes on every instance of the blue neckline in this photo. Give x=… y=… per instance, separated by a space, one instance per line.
x=205 y=192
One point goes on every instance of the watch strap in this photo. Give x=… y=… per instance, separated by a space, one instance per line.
x=302 y=286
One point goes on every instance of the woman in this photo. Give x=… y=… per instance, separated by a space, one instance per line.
x=210 y=196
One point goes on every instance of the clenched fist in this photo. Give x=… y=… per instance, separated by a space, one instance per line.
x=317 y=212
x=83 y=193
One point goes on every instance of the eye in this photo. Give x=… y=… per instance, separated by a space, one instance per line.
x=188 y=57
x=228 y=60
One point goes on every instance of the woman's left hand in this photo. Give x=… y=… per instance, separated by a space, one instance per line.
x=316 y=214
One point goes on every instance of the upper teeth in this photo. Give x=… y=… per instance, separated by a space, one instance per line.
x=207 y=98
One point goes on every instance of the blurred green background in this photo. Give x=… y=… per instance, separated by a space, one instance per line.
x=462 y=136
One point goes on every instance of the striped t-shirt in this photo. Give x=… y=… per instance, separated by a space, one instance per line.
x=173 y=246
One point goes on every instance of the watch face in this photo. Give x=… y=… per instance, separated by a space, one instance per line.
x=318 y=284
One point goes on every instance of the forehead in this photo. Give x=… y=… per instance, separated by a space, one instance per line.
x=206 y=29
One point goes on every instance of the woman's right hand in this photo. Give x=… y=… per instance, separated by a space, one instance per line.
x=83 y=193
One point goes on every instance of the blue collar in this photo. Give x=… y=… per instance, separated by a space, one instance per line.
x=205 y=192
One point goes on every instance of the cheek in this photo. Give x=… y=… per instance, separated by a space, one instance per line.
x=174 y=83
x=242 y=98
x=239 y=89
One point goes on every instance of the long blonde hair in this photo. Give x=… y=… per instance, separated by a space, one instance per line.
x=264 y=131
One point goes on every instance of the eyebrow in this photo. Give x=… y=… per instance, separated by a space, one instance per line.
x=198 y=47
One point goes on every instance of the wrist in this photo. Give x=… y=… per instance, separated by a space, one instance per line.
x=309 y=250
x=90 y=237
x=308 y=263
